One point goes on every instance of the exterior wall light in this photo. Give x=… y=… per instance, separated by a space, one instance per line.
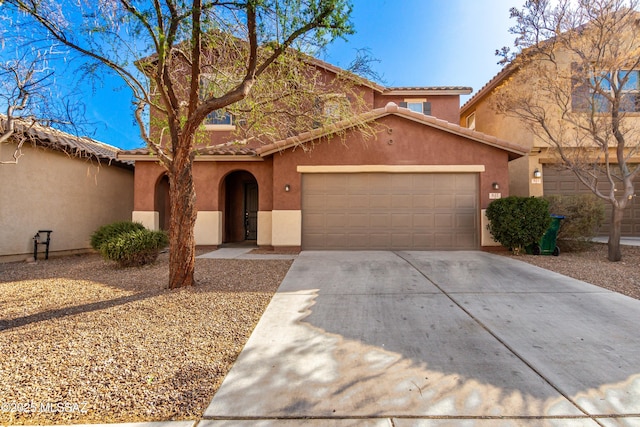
x=287 y=188
x=537 y=173
x=495 y=186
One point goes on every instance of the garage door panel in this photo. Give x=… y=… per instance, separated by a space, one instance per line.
x=315 y=201
x=446 y=201
x=422 y=201
x=444 y=220
x=421 y=240
x=378 y=201
x=401 y=240
x=466 y=201
x=401 y=201
x=401 y=220
x=358 y=220
x=377 y=241
x=379 y=220
x=465 y=221
x=423 y=221
x=336 y=200
x=445 y=240
x=390 y=211
x=463 y=239
x=335 y=220
x=560 y=181
x=315 y=221
x=358 y=201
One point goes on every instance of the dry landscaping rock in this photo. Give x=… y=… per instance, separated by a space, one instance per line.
x=84 y=341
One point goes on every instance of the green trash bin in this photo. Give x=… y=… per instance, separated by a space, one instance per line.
x=547 y=244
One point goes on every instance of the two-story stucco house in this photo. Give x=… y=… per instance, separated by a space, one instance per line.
x=421 y=181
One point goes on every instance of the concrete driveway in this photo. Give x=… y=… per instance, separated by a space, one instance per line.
x=435 y=339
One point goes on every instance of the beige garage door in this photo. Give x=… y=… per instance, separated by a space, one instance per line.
x=390 y=211
x=562 y=181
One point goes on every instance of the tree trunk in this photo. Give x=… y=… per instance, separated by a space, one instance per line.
x=617 y=214
x=183 y=217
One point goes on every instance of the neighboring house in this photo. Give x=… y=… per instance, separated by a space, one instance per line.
x=540 y=172
x=70 y=185
x=421 y=182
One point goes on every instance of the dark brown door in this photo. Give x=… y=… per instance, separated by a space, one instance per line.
x=251 y=211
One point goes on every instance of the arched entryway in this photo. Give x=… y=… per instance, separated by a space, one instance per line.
x=240 y=207
x=162 y=203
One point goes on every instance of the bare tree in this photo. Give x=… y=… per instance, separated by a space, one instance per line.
x=26 y=80
x=576 y=86
x=174 y=43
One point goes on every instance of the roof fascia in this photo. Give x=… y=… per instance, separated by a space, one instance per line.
x=428 y=91
x=487 y=88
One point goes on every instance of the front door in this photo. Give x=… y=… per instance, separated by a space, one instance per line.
x=251 y=211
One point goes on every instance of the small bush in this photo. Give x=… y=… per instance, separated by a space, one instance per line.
x=584 y=214
x=135 y=248
x=109 y=231
x=517 y=222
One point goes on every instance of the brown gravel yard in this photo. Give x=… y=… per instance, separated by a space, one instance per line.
x=114 y=345
x=82 y=341
x=592 y=266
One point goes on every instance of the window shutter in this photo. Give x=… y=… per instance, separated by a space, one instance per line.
x=403 y=105
x=426 y=108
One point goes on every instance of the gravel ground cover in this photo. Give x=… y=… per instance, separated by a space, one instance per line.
x=83 y=341
x=593 y=267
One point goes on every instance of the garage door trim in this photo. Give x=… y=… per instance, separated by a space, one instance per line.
x=391 y=169
x=377 y=212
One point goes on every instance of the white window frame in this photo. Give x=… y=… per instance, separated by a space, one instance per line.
x=471 y=121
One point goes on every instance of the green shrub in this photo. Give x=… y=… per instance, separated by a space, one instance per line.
x=109 y=231
x=135 y=248
x=583 y=213
x=517 y=222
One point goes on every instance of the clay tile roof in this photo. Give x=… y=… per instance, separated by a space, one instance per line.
x=228 y=149
x=429 y=90
x=77 y=146
x=514 y=150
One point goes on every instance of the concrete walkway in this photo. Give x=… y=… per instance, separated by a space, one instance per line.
x=627 y=241
x=243 y=252
x=435 y=339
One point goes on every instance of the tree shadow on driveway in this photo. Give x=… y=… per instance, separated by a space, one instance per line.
x=371 y=335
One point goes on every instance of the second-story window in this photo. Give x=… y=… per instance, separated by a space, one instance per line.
x=605 y=88
x=418 y=105
x=471 y=121
x=331 y=107
x=219 y=119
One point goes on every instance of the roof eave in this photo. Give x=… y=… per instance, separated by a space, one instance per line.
x=426 y=91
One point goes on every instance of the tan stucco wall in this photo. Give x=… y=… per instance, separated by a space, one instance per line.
x=50 y=190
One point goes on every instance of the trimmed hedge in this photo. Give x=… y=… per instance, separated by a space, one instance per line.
x=517 y=222
x=583 y=213
x=135 y=248
x=109 y=231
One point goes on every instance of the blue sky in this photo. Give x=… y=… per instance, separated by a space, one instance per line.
x=418 y=43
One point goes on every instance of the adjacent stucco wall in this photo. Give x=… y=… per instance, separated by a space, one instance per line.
x=50 y=190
